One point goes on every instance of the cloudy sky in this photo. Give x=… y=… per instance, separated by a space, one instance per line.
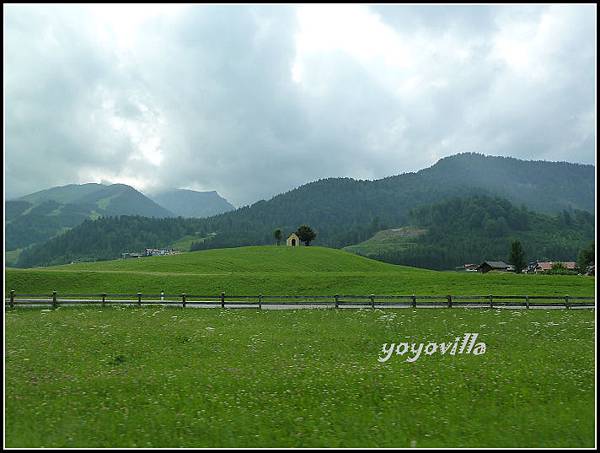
x=255 y=100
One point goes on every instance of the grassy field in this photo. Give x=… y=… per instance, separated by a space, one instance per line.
x=12 y=256
x=387 y=241
x=280 y=270
x=169 y=377
x=183 y=244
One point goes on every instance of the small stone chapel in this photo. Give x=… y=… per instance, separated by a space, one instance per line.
x=293 y=240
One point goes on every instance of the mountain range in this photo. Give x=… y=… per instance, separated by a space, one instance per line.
x=345 y=211
x=39 y=216
x=191 y=203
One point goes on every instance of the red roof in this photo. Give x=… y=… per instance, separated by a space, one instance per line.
x=547 y=265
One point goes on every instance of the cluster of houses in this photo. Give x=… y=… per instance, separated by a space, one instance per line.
x=535 y=267
x=149 y=252
x=487 y=266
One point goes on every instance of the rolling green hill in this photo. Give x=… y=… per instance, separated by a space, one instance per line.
x=245 y=259
x=278 y=270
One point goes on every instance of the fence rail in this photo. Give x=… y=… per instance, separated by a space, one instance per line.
x=282 y=301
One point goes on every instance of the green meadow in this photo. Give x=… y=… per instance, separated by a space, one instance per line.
x=389 y=240
x=172 y=377
x=281 y=271
x=120 y=376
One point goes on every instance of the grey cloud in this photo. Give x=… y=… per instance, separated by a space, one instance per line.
x=212 y=89
x=52 y=75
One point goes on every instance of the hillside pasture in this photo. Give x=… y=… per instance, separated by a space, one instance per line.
x=389 y=240
x=282 y=271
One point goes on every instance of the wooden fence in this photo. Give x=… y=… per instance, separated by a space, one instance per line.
x=334 y=301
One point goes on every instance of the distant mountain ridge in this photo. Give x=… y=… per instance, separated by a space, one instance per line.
x=41 y=215
x=345 y=211
x=541 y=185
x=113 y=199
x=192 y=203
x=70 y=193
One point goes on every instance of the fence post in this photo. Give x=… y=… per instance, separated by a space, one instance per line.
x=54 y=300
x=183 y=299
x=139 y=296
x=222 y=300
x=414 y=301
x=491 y=301
x=12 y=298
x=372 y=297
x=567 y=302
x=449 y=297
x=162 y=295
x=527 y=302
x=337 y=300
x=103 y=299
x=260 y=301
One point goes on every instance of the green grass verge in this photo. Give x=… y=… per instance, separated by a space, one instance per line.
x=168 y=377
x=280 y=270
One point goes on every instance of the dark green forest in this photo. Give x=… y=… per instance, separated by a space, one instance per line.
x=474 y=229
x=27 y=223
x=107 y=238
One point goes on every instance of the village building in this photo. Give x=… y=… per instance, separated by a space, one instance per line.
x=591 y=270
x=530 y=269
x=545 y=266
x=293 y=240
x=498 y=266
x=148 y=252
x=130 y=255
x=159 y=252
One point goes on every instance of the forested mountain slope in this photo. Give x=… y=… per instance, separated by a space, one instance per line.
x=474 y=229
x=345 y=211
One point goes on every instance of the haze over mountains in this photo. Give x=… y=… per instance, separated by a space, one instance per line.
x=191 y=203
x=540 y=185
x=345 y=211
